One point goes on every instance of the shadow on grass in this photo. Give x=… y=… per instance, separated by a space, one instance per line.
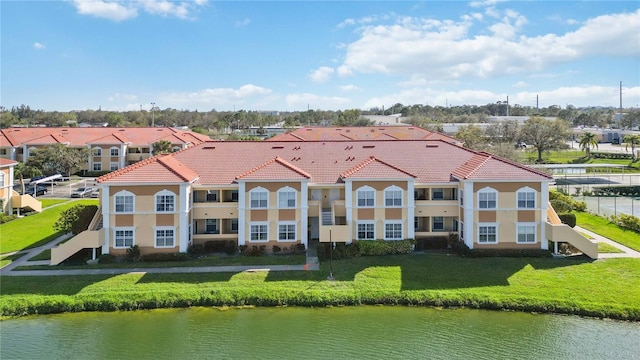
x=48 y=285
x=430 y=271
x=186 y=278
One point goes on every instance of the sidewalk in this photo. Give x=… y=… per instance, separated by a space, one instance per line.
x=628 y=253
x=311 y=264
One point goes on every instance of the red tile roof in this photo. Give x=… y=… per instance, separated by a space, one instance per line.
x=7 y=162
x=103 y=135
x=328 y=162
x=158 y=169
x=312 y=133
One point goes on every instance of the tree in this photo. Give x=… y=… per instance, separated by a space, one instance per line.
x=22 y=170
x=633 y=140
x=161 y=147
x=587 y=140
x=59 y=158
x=544 y=134
x=472 y=136
x=76 y=219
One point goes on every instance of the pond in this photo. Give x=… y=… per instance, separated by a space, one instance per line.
x=363 y=332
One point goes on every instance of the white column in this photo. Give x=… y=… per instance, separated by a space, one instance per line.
x=348 y=204
x=411 y=210
x=13 y=153
x=183 y=216
x=106 y=212
x=544 y=205
x=123 y=155
x=242 y=226
x=304 y=213
x=469 y=224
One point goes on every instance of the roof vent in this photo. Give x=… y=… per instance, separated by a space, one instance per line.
x=432 y=145
x=121 y=130
x=278 y=147
x=368 y=146
x=209 y=147
x=410 y=128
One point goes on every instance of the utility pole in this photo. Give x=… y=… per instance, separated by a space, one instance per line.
x=153 y=117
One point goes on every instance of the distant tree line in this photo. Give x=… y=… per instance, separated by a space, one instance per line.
x=430 y=117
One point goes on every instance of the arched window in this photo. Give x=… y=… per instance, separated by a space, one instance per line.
x=286 y=197
x=487 y=198
x=96 y=151
x=393 y=196
x=114 y=151
x=526 y=198
x=259 y=198
x=124 y=202
x=30 y=151
x=165 y=201
x=366 y=196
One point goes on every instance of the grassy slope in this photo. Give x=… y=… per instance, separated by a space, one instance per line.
x=33 y=230
x=603 y=227
x=607 y=288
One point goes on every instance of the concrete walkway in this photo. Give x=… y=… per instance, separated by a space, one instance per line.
x=311 y=264
x=627 y=252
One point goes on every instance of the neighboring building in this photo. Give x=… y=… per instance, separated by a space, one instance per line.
x=112 y=148
x=614 y=136
x=6 y=185
x=346 y=133
x=285 y=193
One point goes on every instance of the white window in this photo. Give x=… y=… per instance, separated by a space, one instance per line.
x=97 y=151
x=1 y=178
x=114 y=151
x=233 y=228
x=366 y=231
x=259 y=198
x=113 y=166
x=526 y=198
x=123 y=238
x=393 y=196
x=259 y=231
x=286 y=198
x=211 y=226
x=526 y=233
x=165 y=201
x=165 y=237
x=438 y=223
x=124 y=202
x=461 y=197
x=487 y=233
x=437 y=194
x=286 y=231
x=366 y=196
x=31 y=151
x=97 y=166
x=487 y=198
x=393 y=231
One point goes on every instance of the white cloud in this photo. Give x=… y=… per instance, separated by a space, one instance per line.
x=243 y=22
x=445 y=50
x=106 y=9
x=520 y=84
x=305 y=100
x=38 y=45
x=321 y=74
x=349 y=87
x=217 y=97
x=128 y=9
x=122 y=97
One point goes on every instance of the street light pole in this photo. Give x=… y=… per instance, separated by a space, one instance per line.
x=153 y=118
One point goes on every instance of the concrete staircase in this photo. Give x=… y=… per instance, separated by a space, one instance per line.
x=90 y=239
x=558 y=232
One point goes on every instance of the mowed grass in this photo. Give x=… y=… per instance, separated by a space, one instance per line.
x=8 y=259
x=602 y=226
x=579 y=157
x=34 y=230
x=50 y=202
x=603 y=288
x=608 y=249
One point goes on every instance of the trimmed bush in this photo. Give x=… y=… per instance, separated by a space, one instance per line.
x=627 y=222
x=365 y=248
x=568 y=218
x=255 y=250
x=195 y=250
x=561 y=206
x=165 y=257
x=106 y=259
x=133 y=254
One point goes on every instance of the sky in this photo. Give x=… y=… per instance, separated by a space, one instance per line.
x=321 y=55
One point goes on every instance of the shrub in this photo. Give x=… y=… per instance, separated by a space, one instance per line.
x=255 y=250
x=365 y=248
x=133 y=253
x=165 y=257
x=230 y=247
x=242 y=249
x=276 y=249
x=227 y=246
x=76 y=219
x=568 y=218
x=557 y=196
x=6 y=218
x=432 y=243
x=561 y=206
x=627 y=222
x=195 y=250
x=298 y=249
x=106 y=259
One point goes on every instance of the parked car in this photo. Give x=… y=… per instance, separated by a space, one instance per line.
x=31 y=190
x=82 y=192
x=95 y=193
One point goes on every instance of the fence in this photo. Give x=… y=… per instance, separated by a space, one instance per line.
x=612 y=205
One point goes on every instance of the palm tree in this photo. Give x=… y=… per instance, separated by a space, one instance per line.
x=161 y=147
x=587 y=141
x=631 y=139
x=22 y=170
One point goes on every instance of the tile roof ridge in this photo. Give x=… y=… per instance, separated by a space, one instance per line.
x=348 y=137
x=41 y=137
x=366 y=163
x=269 y=162
x=170 y=162
x=9 y=138
x=127 y=169
x=517 y=164
x=480 y=164
x=121 y=139
x=93 y=141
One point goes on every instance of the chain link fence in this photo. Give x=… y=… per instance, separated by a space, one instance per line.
x=612 y=205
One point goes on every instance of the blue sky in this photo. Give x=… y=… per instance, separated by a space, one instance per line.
x=330 y=55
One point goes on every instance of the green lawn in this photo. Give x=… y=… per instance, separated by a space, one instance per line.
x=606 y=248
x=6 y=260
x=603 y=288
x=44 y=255
x=603 y=227
x=50 y=202
x=33 y=230
x=578 y=157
